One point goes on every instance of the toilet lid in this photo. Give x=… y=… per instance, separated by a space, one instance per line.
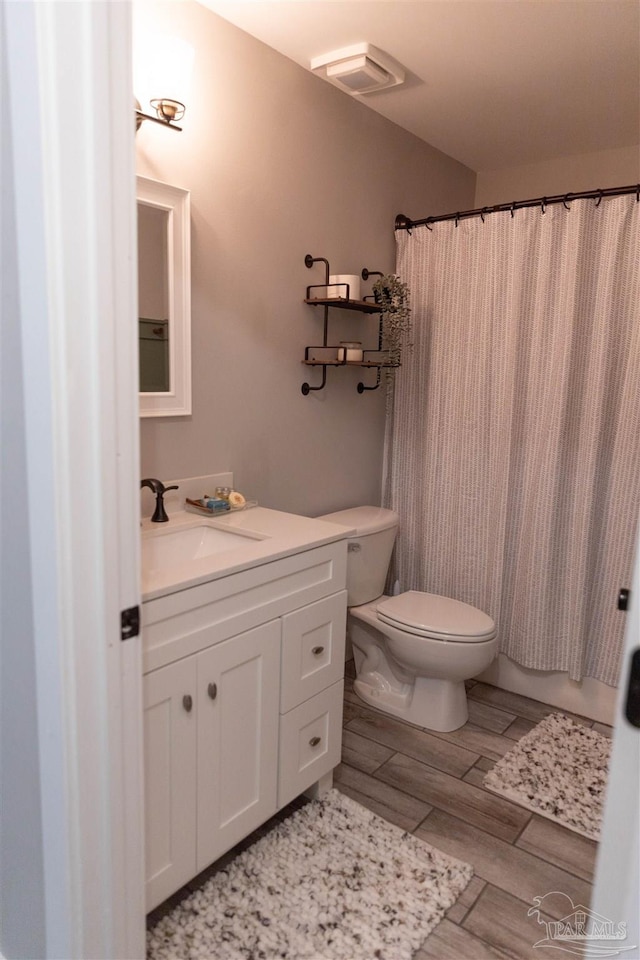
x=364 y=520
x=441 y=618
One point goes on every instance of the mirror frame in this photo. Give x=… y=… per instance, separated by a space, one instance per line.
x=176 y=402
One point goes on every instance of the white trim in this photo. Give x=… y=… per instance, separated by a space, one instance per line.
x=125 y=679
x=24 y=117
x=616 y=893
x=587 y=697
x=76 y=260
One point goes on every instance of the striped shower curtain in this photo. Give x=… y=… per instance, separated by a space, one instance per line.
x=513 y=440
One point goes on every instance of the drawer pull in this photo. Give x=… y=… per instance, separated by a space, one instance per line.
x=316 y=651
x=314 y=741
x=212 y=690
x=187 y=702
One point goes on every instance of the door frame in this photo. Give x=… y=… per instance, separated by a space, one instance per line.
x=71 y=125
x=616 y=893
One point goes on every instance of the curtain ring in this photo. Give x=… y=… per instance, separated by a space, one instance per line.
x=638 y=193
x=543 y=205
x=513 y=207
x=457 y=218
x=599 y=200
x=565 y=203
x=427 y=225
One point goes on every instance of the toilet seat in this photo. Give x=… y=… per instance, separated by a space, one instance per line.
x=436 y=617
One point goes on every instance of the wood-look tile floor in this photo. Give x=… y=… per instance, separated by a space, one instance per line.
x=431 y=785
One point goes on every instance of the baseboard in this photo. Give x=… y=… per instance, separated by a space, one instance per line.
x=589 y=698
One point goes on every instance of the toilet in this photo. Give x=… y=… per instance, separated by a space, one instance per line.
x=414 y=651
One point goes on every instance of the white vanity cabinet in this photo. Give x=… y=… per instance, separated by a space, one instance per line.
x=243 y=705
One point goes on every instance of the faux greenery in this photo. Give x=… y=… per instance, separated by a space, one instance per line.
x=392 y=294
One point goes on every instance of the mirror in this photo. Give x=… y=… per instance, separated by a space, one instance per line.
x=164 y=299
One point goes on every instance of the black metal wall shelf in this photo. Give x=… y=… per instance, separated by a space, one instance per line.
x=348 y=363
x=341 y=303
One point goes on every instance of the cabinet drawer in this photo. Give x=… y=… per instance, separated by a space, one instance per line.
x=310 y=742
x=190 y=620
x=313 y=641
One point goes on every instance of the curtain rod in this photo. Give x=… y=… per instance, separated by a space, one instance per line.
x=405 y=223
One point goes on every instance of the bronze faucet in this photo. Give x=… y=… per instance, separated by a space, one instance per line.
x=158 y=487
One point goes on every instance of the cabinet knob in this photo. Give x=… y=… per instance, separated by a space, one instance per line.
x=316 y=651
x=187 y=702
x=314 y=741
x=212 y=690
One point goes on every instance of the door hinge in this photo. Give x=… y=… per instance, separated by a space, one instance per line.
x=129 y=623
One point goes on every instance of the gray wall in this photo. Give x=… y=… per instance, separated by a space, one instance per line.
x=585 y=171
x=280 y=164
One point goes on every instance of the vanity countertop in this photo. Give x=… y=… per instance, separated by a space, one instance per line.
x=266 y=535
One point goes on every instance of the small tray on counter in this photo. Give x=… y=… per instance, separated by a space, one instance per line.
x=194 y=506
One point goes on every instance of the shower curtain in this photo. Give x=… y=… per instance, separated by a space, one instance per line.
x=513 y=438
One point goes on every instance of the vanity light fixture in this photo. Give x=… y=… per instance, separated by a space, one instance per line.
x=162 y=63
x=168 y=111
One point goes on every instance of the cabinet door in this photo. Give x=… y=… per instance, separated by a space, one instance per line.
x=170 y=778
x=238 y=696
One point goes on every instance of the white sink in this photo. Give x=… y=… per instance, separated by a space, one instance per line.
x=173 y=548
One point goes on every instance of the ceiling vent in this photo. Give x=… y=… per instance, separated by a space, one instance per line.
x=359 y=69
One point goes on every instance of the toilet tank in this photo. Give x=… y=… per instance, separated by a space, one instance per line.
x=369 y=549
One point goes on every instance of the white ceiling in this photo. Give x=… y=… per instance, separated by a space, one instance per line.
x=493 y=83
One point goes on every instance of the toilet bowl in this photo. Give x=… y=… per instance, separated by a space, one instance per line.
x=418 y=673
x=414 y=651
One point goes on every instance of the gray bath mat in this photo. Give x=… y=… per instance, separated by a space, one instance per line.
x=558 y=770
x=332 y=882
